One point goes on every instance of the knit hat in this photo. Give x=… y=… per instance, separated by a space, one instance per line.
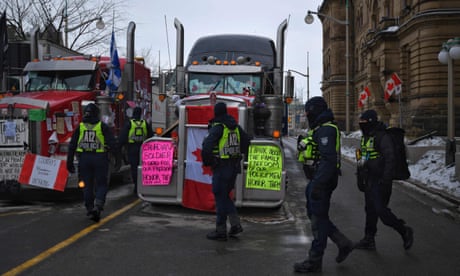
x=91 y=111
x=220 y=109
x=369 y=116
x=137 y=112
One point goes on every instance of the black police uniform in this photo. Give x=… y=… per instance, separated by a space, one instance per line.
x=378 y=178
x=134 y=147
x=322 y=184
x=93 y=159
x=224 y=172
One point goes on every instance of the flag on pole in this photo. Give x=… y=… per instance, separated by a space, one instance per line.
x=393 y=85
x=397 y=83
x=114 y=79
x=364 y=96
x=3 y=43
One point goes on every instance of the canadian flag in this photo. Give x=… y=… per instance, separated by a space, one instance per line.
x=197 y=191
x=397 y=83
x=364 y=96
x=393 y=85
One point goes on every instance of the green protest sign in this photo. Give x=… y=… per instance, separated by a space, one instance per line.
x=265 y=164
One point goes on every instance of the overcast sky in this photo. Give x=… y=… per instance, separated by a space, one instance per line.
x=205 y=17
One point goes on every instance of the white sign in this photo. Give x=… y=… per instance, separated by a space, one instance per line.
x=44 y=172
x=13 y=133
x=11 y=163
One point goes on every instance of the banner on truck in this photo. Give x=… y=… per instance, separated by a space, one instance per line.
x=44 y=172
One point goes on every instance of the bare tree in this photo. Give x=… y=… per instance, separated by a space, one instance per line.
x=56 y=18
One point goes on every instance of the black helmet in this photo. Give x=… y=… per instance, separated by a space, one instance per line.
x=91 y=110
x=314 y=107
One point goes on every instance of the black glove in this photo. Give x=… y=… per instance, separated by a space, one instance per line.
x=70 y=167
x=309 y=171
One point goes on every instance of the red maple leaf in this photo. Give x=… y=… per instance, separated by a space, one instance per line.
x=206 y=170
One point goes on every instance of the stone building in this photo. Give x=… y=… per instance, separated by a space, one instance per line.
x=387 y=37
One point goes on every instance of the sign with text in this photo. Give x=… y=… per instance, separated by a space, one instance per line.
x=13 y=133
x=265 y=164
x=44 y=172
x=11 y=163
x=157 y=162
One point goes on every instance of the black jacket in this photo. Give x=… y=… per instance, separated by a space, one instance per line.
x=214 y=135
x=382 y=167
x=326 y=138
x=110 y=140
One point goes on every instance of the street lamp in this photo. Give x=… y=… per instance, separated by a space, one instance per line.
x=99 y=25
x=450 y=51
x=309 y=20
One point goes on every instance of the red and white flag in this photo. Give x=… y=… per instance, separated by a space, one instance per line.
x=364 y=97
x=397 y=83
x=44 y=172
x=197 y=191
x=393 y=85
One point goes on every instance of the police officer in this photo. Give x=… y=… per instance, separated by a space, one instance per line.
x=133 y=134
x=378 y=154
x=325 y=137
x=222 y=150
x=91 y=141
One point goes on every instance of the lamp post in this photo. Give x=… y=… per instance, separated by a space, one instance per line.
x=99 y=24
x=309 y=20
x=450 y=51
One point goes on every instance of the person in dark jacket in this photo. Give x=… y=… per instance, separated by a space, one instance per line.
x=222 y=149
x=378 y=157
x=326 y=138
x=92 y=140
x=133 y=134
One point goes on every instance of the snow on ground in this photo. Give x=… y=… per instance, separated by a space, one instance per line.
x=429 y=170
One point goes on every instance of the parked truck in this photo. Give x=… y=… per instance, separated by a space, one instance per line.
x=245 y=72
x=41 y=120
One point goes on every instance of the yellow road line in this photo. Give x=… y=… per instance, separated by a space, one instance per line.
x=45 y=254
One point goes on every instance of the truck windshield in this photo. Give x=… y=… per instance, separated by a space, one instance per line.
x=63 y=80
x=243 y=84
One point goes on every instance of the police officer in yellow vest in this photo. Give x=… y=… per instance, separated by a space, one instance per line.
x=375 y=176
x=222 y=150
x=91 y=141
x=133 y=134
x=324 y=152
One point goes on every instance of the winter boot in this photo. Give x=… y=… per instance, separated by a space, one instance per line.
x=95 y=215
x=344 y=245
x=220 y=234
x=312 y=264
x=367 y=243
x=236 y=227
x=408 y=238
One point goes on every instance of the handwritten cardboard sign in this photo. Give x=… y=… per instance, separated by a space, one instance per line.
x=157 y=162
x=265 y=164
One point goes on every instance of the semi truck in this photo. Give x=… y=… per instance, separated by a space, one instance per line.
x=41 y=120
x=246 y=73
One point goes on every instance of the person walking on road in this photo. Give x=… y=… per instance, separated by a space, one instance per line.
x=325 y=137
x=91 y=140
x=222 y=150
x=133 y=134
x=377 y=174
